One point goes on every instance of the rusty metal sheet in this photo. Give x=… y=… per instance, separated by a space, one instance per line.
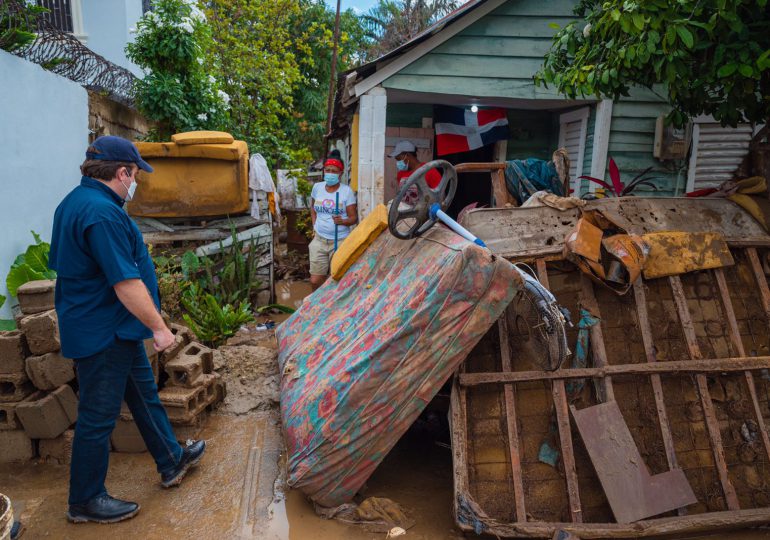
x=633 y=493
x=540 y=231
x=673 y=253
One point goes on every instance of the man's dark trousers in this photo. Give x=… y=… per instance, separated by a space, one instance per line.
x=121 y=372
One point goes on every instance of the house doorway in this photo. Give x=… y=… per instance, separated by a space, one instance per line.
x=472 y=187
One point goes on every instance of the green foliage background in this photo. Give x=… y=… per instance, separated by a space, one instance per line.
x=706 y=56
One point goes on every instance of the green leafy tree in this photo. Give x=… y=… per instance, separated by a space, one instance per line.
x=178 y=91
x=255 y=53
x=315 y=24
x=394 y=22
x=711 y=56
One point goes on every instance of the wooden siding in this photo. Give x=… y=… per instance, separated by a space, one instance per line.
x=632 y=135
x=498 y=55
x=495 y=56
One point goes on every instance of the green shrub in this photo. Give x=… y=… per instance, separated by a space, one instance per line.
x=30 y=265
x=212 y=322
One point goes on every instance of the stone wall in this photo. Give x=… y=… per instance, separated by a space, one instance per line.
x=107 y=117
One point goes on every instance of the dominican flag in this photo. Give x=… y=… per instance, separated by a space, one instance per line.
x=461 y=130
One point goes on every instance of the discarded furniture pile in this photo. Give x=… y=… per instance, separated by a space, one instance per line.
x=657 y=423
x=38 y=401
x=201 y=186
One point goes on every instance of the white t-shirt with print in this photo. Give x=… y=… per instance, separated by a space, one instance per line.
x=324 y=206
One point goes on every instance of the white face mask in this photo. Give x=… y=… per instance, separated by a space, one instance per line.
x=131 y=190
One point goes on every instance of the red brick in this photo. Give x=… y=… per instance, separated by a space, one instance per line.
x=14 y=387
x=187 y=367
x=13 y=351
x=58 y=450
x=126 y=437
x=16 y=447
x=42 y=332
x=50 y=415
x=50 y=371
x=36 y=296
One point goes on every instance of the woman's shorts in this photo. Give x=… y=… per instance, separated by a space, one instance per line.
x=321 y=251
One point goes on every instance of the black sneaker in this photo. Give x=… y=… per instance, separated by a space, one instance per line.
x=102 y=509
x=191 y=455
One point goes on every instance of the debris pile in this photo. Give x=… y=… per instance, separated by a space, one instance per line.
x=38 y=401
x=38 y=404
x=189 y=389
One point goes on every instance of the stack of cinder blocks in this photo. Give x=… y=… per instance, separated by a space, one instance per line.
x=37 y=404
x=189 y=389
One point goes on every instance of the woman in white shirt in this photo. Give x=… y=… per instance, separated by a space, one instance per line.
x=334 y=211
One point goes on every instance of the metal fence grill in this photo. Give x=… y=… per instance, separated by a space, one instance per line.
x=59 y=13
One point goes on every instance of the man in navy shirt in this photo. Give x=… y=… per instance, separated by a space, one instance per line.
x=107 y=303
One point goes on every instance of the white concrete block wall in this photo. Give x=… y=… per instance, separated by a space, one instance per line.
x=107 y=26
x=43 y=137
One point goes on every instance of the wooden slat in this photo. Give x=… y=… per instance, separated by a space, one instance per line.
x=759 y=276
x=735 y=337
x=512 y=422
x=708 y=407
x=562 y=420
x=677 y=367
x=598 y=351
x=657 y=387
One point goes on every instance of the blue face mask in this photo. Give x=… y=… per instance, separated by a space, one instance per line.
x=402 y=165
x=331 y=179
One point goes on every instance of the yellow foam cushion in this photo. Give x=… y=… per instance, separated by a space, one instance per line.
x=357 y=241
x=227 y=152
x=674 y=252
x=202 y=137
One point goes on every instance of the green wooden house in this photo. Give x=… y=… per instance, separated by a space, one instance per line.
x=486 y=54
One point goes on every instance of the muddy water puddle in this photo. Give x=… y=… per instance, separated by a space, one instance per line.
x=417 y=474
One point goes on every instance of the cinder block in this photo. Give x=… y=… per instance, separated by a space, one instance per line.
x=220 y=390
x=152 y=356
x=126 y=437
x=50 y=371
x=172 y=351
x=183 y=331
x=36 y=296
x=189 y=365
x=13 y=351
x=16 y=447
x=183 y=404
x=42 y=332
x=58 y=450
x=68 y=400
x=8 y=418
x=50 y=415
x=14 y=387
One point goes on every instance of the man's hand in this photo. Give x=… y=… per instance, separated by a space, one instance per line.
x=163 y=339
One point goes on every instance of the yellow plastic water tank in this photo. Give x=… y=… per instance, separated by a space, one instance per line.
x=198 y=176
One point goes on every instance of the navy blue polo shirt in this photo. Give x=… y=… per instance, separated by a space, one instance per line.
x=95 y=245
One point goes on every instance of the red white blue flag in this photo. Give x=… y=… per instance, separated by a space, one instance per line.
x=461 y=130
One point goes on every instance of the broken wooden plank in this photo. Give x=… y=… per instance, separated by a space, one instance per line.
x=759 y=276
x=735 y=337
x=153 y=223
x=257 y=233
x=633 y=493
x=712 y=426
x=657 y=387
x=512 y=422
x=675 y=367
x=196 y=235
x=598 y=351
x=710 y=522
x=559 y=395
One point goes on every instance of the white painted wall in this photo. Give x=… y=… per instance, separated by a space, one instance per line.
x=43 y=137
x=106 y=28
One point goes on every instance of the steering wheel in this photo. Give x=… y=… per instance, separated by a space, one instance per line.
x=427 y=196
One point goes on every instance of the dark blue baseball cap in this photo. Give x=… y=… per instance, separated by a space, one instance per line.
x=112 y=148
